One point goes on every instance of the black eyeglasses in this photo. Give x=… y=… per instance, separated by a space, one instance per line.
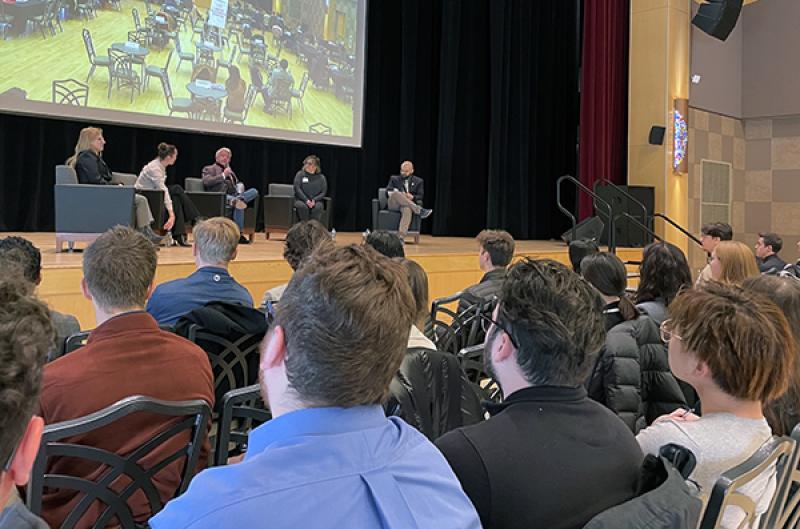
x=488 y=321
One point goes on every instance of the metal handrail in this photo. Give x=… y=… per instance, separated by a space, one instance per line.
x=611 y=246
x=627 y=195
x=678 y=227
x=639 y=224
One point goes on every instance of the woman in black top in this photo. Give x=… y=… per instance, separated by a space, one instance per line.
x=310 y=186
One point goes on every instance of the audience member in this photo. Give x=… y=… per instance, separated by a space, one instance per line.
x=783 y=413
x=26 y=335
x=310 y=187
x=663 y=273
x=219 y=177
x=18 y=250
x=732 y=262
x=386 y=243
x=767 y=247
x=736 y=349
x=330 y=457
x=215 y=246
x=301 y=239
x=180 y=208
x=405 y=193
x=631 y=377
x=495 y=254
x=236 y=89
x=541 y=345
x=606 y=272
x=711 y=235
x=579 y=249
x=126 y=354
x=277 y=75
x=418 y=280
x=92 y=169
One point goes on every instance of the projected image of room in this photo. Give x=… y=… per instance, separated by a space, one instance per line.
x=288 y=69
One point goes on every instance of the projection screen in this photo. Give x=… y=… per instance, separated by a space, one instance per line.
x=281 y=69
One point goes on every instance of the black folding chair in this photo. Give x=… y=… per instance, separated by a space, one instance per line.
x=76 y=341
x=242 y=410
x=453 y=331
x=785 y=513
x=473 y=365
x=119 y=476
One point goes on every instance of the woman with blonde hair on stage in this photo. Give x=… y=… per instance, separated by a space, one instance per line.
x=92 y=169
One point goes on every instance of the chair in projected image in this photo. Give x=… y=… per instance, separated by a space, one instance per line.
x=94 y=60
x=70 y=92
x=182 y=55
x=300 y=92
x=122 y=74
x=230 y=62
x=176 y=104
x=153 y=70
x=281 y=98
x=86 y=9
x=145 y=34
x=45 y=21
x=229 y=116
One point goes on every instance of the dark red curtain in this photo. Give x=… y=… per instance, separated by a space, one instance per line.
x=604 y=95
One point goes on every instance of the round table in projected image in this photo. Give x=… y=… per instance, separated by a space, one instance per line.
x=22 y=13
x=208 y=97
x=137 y=52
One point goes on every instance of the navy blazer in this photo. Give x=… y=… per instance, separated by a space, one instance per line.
x=416 y=186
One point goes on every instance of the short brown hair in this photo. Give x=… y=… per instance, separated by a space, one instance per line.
x=499 y=244
x=216 y=239
x=346 y=314
x=119 y=268
x=302 y=239
x=26 y=335
x=418 y=280
x=742 y=336
x=720 y=230
x=738 y=261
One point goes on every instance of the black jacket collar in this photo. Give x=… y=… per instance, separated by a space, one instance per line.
x=539 y=394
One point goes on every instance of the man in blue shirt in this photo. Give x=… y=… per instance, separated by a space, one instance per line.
x=215 y=244
x=329 y=457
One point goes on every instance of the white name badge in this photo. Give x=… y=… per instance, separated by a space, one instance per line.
x=305 y=179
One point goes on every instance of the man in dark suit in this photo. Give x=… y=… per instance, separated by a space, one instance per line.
x=405 y=190
x=549 y=456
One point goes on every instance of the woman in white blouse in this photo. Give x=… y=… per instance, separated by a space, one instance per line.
x=180 y=208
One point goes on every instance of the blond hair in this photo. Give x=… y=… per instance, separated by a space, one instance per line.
x=737 y=260
x=85 y=139
x=216 y=240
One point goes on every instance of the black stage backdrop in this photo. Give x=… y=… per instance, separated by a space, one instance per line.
x=481 y=94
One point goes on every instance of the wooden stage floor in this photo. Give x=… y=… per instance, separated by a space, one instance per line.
x=451 y=264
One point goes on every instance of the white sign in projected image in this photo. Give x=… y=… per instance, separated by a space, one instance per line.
x=282 y=69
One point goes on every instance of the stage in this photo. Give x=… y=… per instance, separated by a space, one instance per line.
x=451 y=264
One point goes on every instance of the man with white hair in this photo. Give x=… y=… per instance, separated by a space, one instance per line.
x=215 y=245
x=219 y=177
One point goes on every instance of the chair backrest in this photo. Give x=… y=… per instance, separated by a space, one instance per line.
x=169 y=59
x=87 y=42
x=282 y=89
x=383 y=198
x=472 y=364
x=242 y=410
x=167 y=89
x=70 y=92
x=121 y=64
x=432 y=394
x=66 y=175
x=774 y=457
x=137 y=23
x=303 y=83
x=452 y=330
x=119 y=476
x=785 y=512
x=248 y=101
x=233 y=55
x=126 y=179
x=255 y=77
x=193 y=184
x=76 y=341
x=281 y=190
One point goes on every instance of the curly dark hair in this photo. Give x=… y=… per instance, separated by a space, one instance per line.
x=556 y=318
x=302 y=239
x=26 y=335
x=22 y=251
x=663 y=273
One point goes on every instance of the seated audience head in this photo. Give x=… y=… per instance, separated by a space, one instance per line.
x=215 y=242
x=548 y=327
x=223 y=156
x=723 y=338
x=341 y=331
x=167 y=154
x=284 y=64
x=606 y=272
x=90 y=139
x=497 y=249
x=768 y=244
x=783 y=413
x=234 y=77
x=418 y=280
x=579 y=249
x=311 y=164
x=119 y=269
x=663 y=273
x=26 y=335
x=302 y=239
x=25 y=254
x=733 y=262
x=386 y=243
x=713 y=233
x=406 y=168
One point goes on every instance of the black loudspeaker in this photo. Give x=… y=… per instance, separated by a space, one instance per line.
x=657 y=135
x=589 y=228
x=718 y=17
x=626 y=233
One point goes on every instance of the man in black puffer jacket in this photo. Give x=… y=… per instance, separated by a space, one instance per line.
x=632 y=377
